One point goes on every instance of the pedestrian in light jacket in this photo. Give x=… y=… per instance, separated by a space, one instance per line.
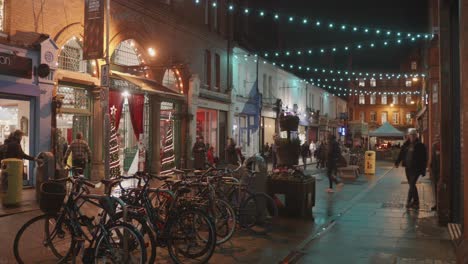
x=413 y=156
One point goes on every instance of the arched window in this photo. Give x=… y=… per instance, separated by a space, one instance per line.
x=126 y=54
x=71 y=57
x=173 y=80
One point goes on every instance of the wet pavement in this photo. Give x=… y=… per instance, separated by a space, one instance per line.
x=364 y=222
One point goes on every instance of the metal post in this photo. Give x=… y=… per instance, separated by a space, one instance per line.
x=106 y=135
x=259 y=112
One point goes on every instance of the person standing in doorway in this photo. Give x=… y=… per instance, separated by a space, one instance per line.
x=305 y=153
x=80 y=151
x=413 y=157
x=199 y=154
x=332 y=156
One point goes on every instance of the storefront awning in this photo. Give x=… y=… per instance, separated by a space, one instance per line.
x=124 y=80
x=19 y=88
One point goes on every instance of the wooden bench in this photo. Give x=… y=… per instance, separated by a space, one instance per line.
x=349 y=172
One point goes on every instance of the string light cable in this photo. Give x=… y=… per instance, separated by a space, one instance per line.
x=310 y=22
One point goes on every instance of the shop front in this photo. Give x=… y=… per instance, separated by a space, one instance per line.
x=24 y=104
x=138 y=106
x=211 y=124
x=16 y=111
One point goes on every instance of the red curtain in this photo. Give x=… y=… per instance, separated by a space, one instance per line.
x=116 y=100
x=136 y=102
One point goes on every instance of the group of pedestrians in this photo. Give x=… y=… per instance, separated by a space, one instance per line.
x=204 y=153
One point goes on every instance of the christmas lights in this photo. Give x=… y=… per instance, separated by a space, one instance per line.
x=318 y=70
x=318 y=24
x=333 y=49
x=356 y=91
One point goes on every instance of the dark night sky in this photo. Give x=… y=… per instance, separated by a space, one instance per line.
x=395 y=15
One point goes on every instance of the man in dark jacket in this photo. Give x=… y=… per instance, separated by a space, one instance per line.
x=305 y=153
x=332 y=155
x=413 y=157
x=199 y=154
x=13 y=147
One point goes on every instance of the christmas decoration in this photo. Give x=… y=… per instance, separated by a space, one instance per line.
x=114 y=148
x=346 y=48
x=314 y=23
x=168 y=155
x=338 y=72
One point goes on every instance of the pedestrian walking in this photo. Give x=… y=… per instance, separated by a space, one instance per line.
x=274 y=150
x=312 y=148
x=332 y=155
x=305 y=153
x=266 y=153
x=231 y=152
x=13 y=147
x=80 y=151
x=199 y=154
x=413 y=157
x=435 y=167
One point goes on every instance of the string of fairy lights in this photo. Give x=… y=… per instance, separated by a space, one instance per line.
x=351 y=75
x=344 y=48
x=264 y=13
x=349 y=91
x=337 y=72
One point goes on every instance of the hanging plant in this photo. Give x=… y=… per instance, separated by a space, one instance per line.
x=289 y=122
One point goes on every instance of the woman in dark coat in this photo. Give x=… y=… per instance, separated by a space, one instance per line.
x=13 y=147
x=231 y=154
x=199 y=154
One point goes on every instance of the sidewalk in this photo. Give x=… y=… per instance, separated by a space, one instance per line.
x=28 y=203
x=376 y=228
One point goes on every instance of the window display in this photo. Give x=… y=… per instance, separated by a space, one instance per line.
x=15 y=114
x=207 y=127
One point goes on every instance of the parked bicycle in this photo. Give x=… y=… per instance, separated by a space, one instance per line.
x=63 y=231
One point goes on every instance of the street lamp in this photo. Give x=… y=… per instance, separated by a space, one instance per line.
x=151 y=52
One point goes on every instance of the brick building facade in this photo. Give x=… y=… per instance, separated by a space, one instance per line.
x=181 y=45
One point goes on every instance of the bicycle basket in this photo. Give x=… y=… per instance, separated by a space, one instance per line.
x=51 y=198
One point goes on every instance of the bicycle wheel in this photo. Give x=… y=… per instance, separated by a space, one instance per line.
x=141 y=224
x=120 y=243
x=40 y=240
x=191 y=237
x=258 y=210
x=225 y=221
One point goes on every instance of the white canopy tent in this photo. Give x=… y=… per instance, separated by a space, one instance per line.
x=386 y=130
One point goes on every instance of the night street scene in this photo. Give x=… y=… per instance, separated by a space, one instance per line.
x=234 y=131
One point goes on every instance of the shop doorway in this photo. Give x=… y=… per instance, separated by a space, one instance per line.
x=15 y=114
x=207 y=127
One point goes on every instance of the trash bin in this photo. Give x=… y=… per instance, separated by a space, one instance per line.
x=12 y=181
x=369 y=162
x=45 y=170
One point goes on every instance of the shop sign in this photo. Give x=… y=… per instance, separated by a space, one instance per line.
x=105 y=75
x=93 y=39
x=15 y=66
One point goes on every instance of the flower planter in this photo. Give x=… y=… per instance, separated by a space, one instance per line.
x=296 y=198
x=289 y=123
